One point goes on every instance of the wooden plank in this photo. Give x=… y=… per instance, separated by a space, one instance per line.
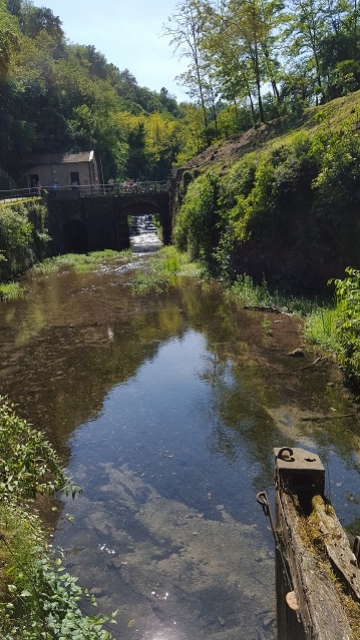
x=336 y=544
x=320 y=608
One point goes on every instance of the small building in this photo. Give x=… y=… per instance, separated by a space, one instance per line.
x=61 y=170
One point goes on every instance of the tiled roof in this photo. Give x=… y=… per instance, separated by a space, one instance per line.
x=59 y=158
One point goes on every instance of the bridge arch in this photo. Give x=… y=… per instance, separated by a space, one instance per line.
x=90 y=221
x=74 y=236
x=140 y=206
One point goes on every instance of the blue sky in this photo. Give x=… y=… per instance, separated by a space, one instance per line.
x=128 y=33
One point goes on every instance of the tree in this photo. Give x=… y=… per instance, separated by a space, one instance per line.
x=33 y=20
x=185 y=29
x=9 y=38
x=306 y=31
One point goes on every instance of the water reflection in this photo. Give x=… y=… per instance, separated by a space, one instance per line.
x=167 y=409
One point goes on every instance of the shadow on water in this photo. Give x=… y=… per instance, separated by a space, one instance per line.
x=166 y=409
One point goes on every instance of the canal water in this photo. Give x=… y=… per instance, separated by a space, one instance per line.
x=165 y=408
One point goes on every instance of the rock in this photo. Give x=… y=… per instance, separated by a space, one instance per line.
x=297 y=353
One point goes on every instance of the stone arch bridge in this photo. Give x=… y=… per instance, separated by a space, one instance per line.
x=82 y=220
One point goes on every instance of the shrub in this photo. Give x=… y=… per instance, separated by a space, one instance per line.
x=28 y=463
x=348 y=325
x=37 y=600
x=23 y=237
x=199 y=221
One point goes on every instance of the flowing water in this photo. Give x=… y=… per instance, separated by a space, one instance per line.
x=165 y=409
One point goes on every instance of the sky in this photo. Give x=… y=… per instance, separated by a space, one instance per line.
x=128 y=33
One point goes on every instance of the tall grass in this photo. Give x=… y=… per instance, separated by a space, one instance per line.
x=11 y=291
x=321 y=328
x=245 y=290
x=321 y=318
x=162 y=270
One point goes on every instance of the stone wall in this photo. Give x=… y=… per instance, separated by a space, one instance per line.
x=87 y=224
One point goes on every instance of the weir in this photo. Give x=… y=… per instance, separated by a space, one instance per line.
x=317 y=573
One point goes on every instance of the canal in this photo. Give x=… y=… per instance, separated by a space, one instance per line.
x=165 y=408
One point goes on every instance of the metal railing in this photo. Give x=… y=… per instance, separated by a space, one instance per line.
x=86 y=190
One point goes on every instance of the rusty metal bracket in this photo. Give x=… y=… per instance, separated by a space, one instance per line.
x=263 y=500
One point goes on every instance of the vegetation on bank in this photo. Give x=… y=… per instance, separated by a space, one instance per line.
x=82 y=262
x=287 y=210
x=37 y=598
x=331 y=324
x=24 y=240
x=162 y=270
x=25 y=244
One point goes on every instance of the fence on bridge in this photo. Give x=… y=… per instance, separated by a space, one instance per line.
x=94 y=190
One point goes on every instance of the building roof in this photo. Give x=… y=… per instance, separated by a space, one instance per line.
x=59 y=158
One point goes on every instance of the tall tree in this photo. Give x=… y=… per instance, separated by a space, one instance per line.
x=185 y=29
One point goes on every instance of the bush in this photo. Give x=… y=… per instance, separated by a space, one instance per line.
x=28 y=463
x=348 y=325
x=37 y=600
x=23 y=237
x=199 y=222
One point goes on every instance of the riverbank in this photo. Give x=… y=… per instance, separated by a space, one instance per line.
x=161 y=475
x=278 y=202
x=275 y=334
x=37 y=598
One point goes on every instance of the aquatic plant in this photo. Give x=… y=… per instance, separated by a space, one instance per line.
x=82 y=262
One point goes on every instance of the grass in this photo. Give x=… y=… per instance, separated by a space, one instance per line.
x=162 y=271
x=321 y=317
x=282 y=130
x=11 y=291
x=249 y=293
x=320 y=328
x=82 y=262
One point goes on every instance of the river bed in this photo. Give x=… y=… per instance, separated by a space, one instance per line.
x=165 y=409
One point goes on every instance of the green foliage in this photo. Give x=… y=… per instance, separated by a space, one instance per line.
x=23 y=237
x=15 y=244
x=81 y=262
x=244 y=289
x=163 y=268
x=257 y=187
x=337 y=185
x=11 y=291
x=321 y=328
x=348 y=324
x=247 y=291
x=28 y=463
x=154 y=282
x=37 y=599
x=200 y=219
x=9 y=38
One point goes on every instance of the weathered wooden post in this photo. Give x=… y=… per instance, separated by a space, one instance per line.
x=317 y=577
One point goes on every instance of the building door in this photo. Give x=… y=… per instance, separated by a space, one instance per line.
x=34 y=180
x=74 y=179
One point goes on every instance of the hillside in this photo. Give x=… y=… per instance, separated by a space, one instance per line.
x=279 y=202
x=221 y=156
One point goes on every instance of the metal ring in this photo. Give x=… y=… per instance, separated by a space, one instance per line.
x=263 y=501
